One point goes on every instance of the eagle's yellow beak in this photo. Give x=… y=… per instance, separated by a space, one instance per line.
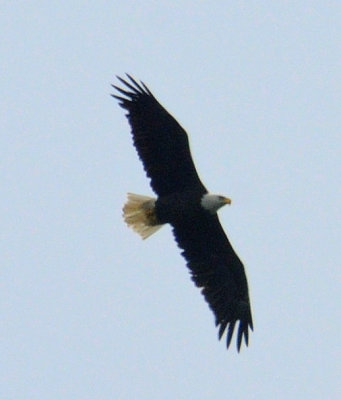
x=227 y=200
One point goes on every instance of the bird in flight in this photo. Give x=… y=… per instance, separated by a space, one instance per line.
x=184 y=202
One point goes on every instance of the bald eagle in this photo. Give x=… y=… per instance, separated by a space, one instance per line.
x=184 y=203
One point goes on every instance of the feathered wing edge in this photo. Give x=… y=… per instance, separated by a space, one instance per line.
x=136 y=88
x=225 y=300
x=245 y=322
x=217 y=271
x=158 y=138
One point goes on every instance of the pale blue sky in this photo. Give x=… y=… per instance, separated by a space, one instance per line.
x=88 y=310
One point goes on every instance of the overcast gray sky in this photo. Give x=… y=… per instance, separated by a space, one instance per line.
x=88 y=310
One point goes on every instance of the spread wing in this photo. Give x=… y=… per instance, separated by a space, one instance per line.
x=217 y=270
x=162 y=144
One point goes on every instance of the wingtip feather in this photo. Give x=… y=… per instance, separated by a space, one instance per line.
x=230 y=333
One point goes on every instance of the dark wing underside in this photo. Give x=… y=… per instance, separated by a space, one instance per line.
x=162 y=144
x=217 y=270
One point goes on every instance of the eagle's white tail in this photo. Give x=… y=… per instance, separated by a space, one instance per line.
x=139 y=214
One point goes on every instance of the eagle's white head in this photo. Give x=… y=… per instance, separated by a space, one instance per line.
x=212 y=202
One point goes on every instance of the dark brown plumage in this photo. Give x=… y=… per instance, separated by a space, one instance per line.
x=162 y=145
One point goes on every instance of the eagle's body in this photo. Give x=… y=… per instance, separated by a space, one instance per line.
x=179 y=206
x=184 y=203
